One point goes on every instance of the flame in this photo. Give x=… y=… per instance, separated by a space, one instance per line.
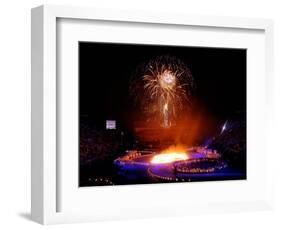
x=166 y=106
x=172 y=154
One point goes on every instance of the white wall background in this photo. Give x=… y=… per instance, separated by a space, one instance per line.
x=15 y=112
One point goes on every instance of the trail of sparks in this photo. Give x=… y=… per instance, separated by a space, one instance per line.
x=162 y=87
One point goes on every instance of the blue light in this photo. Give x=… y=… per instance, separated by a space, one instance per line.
x=224 y=127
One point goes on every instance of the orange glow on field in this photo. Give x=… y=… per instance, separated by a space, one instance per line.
x=172 y=154
x=168 y=158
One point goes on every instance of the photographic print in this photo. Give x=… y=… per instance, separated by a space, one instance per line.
x=161 y=114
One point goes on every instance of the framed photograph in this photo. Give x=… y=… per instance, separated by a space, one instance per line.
x=140 y=114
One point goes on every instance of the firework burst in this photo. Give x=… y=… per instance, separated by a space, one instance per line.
x=162 y=86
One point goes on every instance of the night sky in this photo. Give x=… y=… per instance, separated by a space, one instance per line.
x=105 y=71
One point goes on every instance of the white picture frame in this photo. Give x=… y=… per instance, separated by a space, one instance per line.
x=46 y=183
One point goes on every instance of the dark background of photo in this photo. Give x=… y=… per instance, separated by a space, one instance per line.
x=105 y=70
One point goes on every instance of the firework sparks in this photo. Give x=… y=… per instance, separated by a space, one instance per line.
x=162 y=87
x=166 y=116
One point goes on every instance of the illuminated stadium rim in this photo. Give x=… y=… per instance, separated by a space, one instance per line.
x=136 y=155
